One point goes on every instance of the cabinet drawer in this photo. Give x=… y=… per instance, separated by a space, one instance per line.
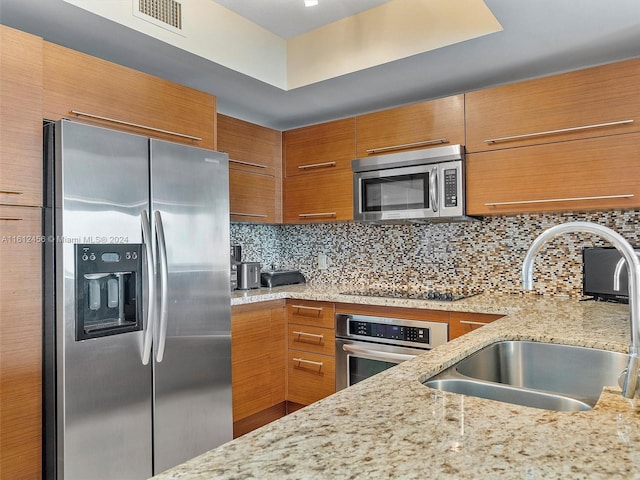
x=310 y=377
x=315 y=314
x=580 y=104
x=421 y=125
x=461 y=323
x=251 y=197
x=590 y=174
x=318 y=148
x=321 y=197
x=312 y=339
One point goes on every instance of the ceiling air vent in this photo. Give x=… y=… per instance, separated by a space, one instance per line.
x=164 y=13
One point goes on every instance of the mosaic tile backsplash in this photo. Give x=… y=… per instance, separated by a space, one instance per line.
x=484 y=255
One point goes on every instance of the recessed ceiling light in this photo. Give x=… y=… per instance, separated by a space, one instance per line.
x=310 y=3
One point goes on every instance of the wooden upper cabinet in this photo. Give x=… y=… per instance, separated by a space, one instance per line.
x=325 y=147
x=251 y=147
x=80 y=82
x=20 y=118
x=323 y=197
x=597 y=101
x=591 y=174
x=420 y=125
x=255 y=170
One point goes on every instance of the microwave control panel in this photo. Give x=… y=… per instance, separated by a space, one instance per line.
x=451 y=187
x=390 y=332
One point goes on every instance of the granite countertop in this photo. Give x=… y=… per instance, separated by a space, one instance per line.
x=391 y=426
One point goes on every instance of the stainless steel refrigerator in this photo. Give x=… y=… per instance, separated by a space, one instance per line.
x=137 y=313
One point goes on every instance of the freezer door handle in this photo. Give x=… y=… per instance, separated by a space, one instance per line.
x=151 y=279
x=164 y=277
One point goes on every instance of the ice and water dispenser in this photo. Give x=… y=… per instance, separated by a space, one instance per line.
x=108 y=289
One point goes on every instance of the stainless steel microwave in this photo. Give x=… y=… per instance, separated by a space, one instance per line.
x=425 y=185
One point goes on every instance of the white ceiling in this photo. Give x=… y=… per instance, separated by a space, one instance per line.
x=539 y=38
x=288 y=18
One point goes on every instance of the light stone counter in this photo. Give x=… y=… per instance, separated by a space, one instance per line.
x=391 y=426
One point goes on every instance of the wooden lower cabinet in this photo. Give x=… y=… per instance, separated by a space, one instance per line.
x=461 y=323
x=258 y=353
x=311 y=369
x=20 y=342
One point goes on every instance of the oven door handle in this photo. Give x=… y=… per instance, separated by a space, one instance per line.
x=377 y=354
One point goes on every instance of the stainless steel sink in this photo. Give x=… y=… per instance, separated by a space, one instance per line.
x=541 y=375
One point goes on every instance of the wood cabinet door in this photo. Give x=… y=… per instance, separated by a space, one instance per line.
x=20 y=118
x=420 y=125
x=322 y=197
x=461 y=323
x=120 y=93
x=252 y=197
x=314 y=314
x=325 y=147
x=312 y=339
x=258 y=353
x=252 y=148
x=597 y=101
x=20 y=342
x=591 y=174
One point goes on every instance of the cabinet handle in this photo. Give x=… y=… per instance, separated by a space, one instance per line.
x=11 y=219
x=314 y=335
x=304 y=307
x=129 y=124
x=308 y=362
x=561 y=130
x=471 y=322
x=435 y=141
x=323 y=214
x=317 y=165
x=10 y=192
x=550 y=200
x=241 y=214
x=249 y=164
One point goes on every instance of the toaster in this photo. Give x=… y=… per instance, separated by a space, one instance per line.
x=248 y=275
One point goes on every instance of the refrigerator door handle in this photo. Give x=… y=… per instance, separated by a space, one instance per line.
x=164 y=276
x=151 y=279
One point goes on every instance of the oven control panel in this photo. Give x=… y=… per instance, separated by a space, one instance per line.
x=389 y=331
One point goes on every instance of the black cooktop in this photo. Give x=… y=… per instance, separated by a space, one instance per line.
x=441 y=296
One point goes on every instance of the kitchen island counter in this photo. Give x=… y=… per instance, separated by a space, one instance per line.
x=391 y=426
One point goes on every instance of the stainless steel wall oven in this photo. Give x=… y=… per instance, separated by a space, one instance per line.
x=366 y=345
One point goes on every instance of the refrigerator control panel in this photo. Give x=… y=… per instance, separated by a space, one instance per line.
x=108 y=289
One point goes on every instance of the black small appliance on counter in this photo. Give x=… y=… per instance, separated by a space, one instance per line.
x=599 y=273
x=277 y=278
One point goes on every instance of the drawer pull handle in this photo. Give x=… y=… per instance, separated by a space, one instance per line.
x=435 y=141
x=11 y=219
x=10 y=192
x=317 y=165
x=304 y=307
x=551 y=200
x=249 y=164
x=471 y=322
x=242 y=214
x=319 y=336
x=554 y=132
x=322 y=214
x=129 y=124
x=308 y=362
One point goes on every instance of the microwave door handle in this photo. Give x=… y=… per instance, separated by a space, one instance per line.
x=151 y=282
x=376 y=354
x=433 y=188
x=164 y=276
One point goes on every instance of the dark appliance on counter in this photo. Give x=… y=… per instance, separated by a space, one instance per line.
x=367 y=345
x=605 y=276
x=412 y=186
x=137 y=315
x=278 y=278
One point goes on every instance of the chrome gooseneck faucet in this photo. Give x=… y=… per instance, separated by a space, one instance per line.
x=629 y=376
